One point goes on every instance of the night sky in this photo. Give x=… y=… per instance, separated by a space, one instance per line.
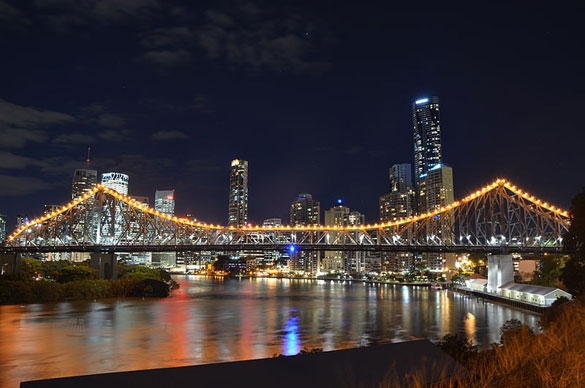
x=317 y=98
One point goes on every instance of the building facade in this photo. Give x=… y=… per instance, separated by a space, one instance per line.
x=83 y=180
x=305 y=210
x=427 y=135
x=238 y=196
x=164 y=201
x=116 y=181
x=436 y=188
x=2 y=228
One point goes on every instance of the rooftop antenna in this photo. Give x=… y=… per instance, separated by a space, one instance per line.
x=88 y=152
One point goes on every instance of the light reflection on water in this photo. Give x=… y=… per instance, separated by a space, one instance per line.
x=211 y=320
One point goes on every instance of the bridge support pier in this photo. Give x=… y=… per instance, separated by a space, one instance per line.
x=106 y=264
x=9 y=262
x=500 y=271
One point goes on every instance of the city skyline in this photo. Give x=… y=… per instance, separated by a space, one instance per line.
x=299 y=120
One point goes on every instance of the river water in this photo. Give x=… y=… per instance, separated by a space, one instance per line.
x=211 y=320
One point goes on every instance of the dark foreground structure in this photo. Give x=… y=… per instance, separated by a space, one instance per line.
x=393 y=364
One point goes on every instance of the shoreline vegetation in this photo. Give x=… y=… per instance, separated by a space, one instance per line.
x=553 y=357
x=53 y=281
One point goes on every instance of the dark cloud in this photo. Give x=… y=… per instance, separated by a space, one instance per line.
x=74 y=138
x=269 y=38
x=8 y=160
x=63 y=15
x=20 y=185
x=200 y=165
x=202 y=104
x=115 y=135
x=168 y=58
x=172 y=37
x=12 y=17
x=22 y=124
x=169 y=135
x=110 y=120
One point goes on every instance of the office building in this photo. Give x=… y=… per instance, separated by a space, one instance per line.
x=305 y=210
x=48 y=209
x=427 y=135
x=436 y=188
x=272 y=222
x=164 y=201
x=399 y=202
x=354 y=261
x=116 y=181
x=83 y=180
x=2 y=228
x=335 y=216
x=238 y=196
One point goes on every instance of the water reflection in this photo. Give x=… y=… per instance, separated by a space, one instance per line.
x=211 y=320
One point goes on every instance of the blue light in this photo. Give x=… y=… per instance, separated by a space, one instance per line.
x=436 y=167
x=292 y=248
x=421 y=101
x=340 y=201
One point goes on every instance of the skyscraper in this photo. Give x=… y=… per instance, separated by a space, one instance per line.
x=427 y=135
x=399 y=202
x=436 y=188
x=116 y=181
x=164 y=201
x=335 y=216
x=2 y=228
x=305 y=210
x=83 y=180
x=238 y=196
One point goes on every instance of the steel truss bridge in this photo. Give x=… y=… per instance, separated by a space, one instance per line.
x=497 y=218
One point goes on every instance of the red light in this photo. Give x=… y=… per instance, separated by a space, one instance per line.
x=170 y=197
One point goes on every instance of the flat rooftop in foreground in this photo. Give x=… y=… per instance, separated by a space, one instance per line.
x=359 y=367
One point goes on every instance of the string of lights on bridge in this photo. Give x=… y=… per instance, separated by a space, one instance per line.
x=139 y=205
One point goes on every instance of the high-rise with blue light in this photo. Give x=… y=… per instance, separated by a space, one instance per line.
x=427 y=135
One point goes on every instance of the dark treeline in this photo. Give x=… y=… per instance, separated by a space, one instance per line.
x=51 y=281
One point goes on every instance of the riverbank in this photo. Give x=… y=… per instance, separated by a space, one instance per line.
x=336 y=279
x=44 y=291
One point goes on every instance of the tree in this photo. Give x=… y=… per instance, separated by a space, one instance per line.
x=77 y=272
x=458 y=347
x=30 y=268
x=573 y=275
x=554 y=312
x=549 y=270
x=514 y=330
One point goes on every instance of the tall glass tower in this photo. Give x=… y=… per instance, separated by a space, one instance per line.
x=83 y=181
x=238 y=197
x=427 y=136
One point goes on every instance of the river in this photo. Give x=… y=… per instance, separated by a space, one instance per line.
x=211 y=320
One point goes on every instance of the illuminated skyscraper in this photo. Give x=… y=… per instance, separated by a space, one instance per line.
x=335 y=216
x=399 y=202
x=305 y=210
x=436 y=188
x=83 y=180
x=164 y=201
x=427 y=135
x=2 y=228
x=238 y=196
x=116 y=181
